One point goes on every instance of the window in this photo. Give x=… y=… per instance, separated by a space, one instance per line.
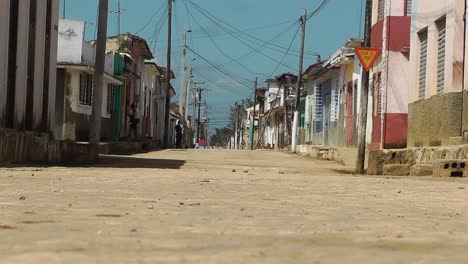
x=422 y=64
x=318 y=113
x=335 y=104
x=409 y=7
x=110 y=98
x=86 y=88
x=441 y=30
x=381 y=9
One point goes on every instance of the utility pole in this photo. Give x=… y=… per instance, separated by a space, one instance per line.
x=119 y=25
x=168 y=73
x=194 y=107
x=252 y=147
x=95 y=133
x=199 y=95
x=236 y=126
x=187 y=92
x=297 y=118
x=360 y=163
x=64 y=9
x=182 y=94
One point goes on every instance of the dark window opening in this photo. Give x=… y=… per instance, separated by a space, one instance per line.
x=12 y=52
x=86 y=89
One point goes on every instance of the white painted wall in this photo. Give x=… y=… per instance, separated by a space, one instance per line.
x=74 y=97
x=71 y=43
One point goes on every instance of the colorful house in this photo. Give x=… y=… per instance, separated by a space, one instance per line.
x=75 y=85
x=390 y=76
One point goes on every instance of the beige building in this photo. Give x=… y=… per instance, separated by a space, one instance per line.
x=437 y=64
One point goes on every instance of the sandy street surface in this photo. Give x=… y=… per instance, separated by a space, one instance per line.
x=214 y=206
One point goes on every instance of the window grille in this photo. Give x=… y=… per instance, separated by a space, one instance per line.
x=441 y=30
x=423 y=64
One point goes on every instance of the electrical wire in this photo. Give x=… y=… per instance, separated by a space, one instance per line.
x=164 y=6
x=218 y=69
x=237 y=36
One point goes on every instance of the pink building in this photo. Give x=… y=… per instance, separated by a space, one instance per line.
x=390 y=76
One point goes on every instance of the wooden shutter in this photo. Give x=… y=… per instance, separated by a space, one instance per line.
x=381 y=9
x=423 y=64
x=409 y=7
x=441 y=30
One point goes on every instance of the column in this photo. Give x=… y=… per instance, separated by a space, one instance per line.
x=39 y=63
x=21 y=66
x=4 y=38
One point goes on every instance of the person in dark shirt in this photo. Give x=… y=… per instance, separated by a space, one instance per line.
x=133 y=121
x=179 y=135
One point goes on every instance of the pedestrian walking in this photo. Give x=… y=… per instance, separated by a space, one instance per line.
x=179 y=135
x=281 y=134
x=134 y=121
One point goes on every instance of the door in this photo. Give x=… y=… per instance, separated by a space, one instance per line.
x=326 y=119
x=349 y=114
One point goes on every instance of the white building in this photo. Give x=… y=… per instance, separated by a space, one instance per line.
x=75 y=84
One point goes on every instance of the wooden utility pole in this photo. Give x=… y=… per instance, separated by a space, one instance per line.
x=187 y=92
x=252 y=147
x=360 y=163
x=168 y=73
x=182 y=94
x=301 y=65
x=199 y=95
x=95 y=133
x=119 y=25
x=297 y=117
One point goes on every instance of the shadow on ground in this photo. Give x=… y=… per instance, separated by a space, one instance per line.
x=126 y=162
x=109 y=161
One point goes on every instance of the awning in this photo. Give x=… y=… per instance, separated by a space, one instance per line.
x=89 y=69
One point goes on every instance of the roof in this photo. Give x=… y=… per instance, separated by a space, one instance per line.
x=153 y=66
x=285 y=75
x=163 y=71
x=135 y=40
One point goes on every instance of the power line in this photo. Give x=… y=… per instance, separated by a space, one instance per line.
x=236 y=35
x=164 y=5
x=215 y=67
x=318 y=9
x=290 y=45
x=209 y=16
x=216 y=45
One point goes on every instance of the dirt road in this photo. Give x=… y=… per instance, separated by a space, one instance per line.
x=213 y=206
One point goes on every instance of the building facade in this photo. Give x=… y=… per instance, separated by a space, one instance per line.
x=436 y=109
x=391 y=23
x=28 y=47
x=75 y=85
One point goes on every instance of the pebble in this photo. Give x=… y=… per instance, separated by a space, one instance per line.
x=233 y=170
x=150 y=207
x=22 y=198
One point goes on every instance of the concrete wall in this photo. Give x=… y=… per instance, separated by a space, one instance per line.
x=26 y=147
x=77 y=117
x=432 y=122
x=4 y=39
x=71 y=42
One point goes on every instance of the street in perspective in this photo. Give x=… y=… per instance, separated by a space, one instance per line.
x=163 y=131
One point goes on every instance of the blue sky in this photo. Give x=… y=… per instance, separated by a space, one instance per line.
x=262 y=20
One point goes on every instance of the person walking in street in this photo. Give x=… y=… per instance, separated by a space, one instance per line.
x=133 y=121
x=179 y=135
x=281 y=135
